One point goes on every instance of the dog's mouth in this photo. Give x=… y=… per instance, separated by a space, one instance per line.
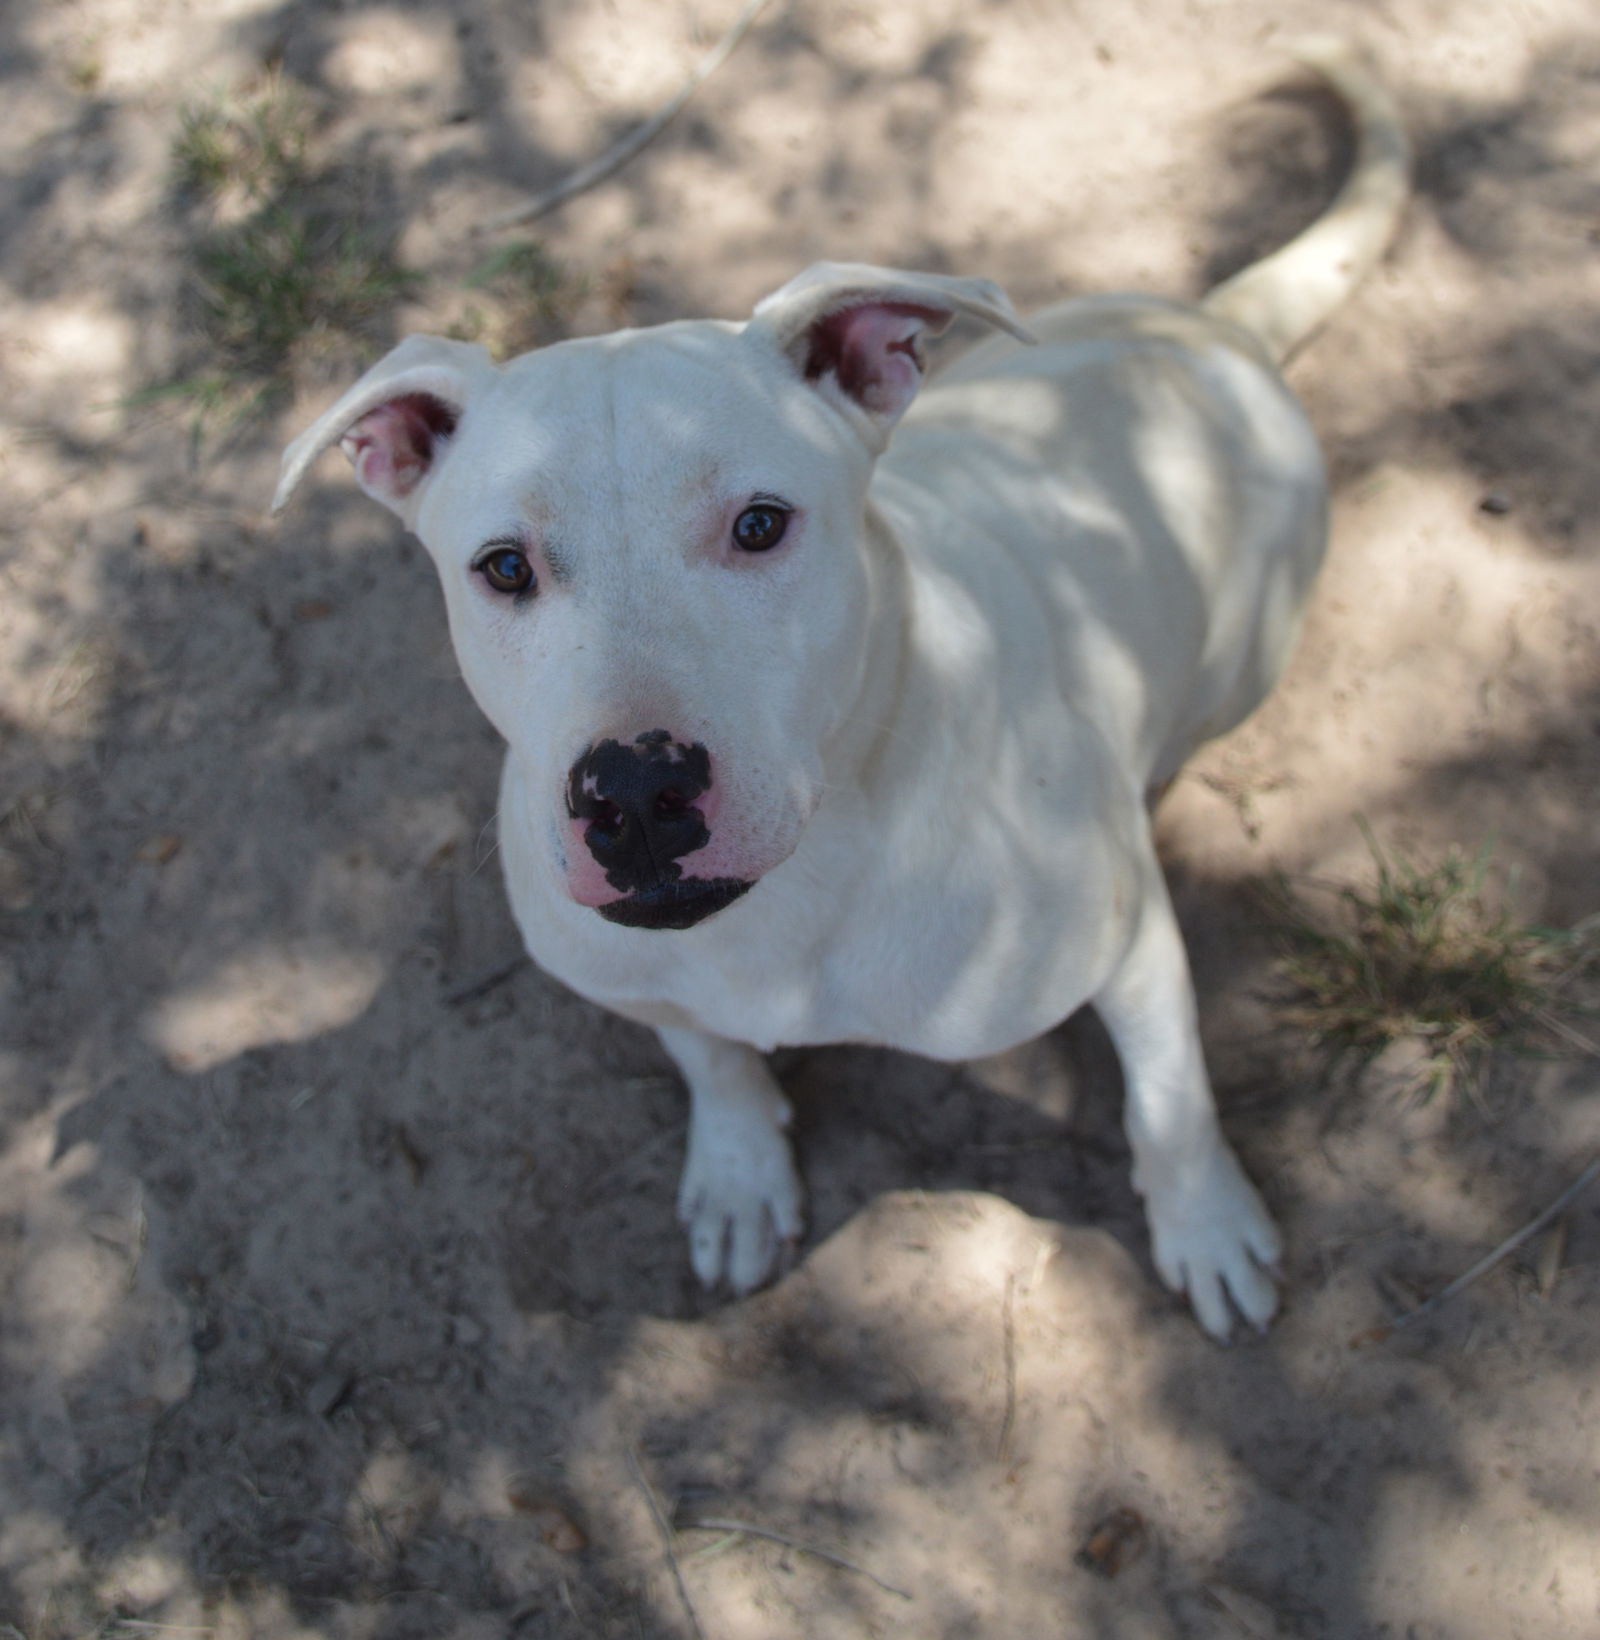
x=679 y=904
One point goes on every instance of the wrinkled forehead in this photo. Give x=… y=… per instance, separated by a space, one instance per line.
x=611 y=428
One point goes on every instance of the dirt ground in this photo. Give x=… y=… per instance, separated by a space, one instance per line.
x=340 y=1292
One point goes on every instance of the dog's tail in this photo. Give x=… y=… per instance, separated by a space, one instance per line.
x=1284 y=298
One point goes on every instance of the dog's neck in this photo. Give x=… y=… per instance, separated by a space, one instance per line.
x=863 y=730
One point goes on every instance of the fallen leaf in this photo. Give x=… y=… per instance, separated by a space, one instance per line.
x=556 y=1528
x=1116 y=1541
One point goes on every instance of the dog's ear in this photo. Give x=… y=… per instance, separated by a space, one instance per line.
x=396 y=422
x=857 y=331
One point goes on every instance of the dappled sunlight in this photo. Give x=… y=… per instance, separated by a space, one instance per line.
x=1431 y=642
x=117 y=42
x=67 y=1300
x=340 y=1277
x=958 y=635
x=37 y=1553
x=61 y=353
x=268 y=996
x=1015 y=406
x=393 y=52
x=922 y=1381
x=59 y=684
x=1470 y=1552
x=604 y=67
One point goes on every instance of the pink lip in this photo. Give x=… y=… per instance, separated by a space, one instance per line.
x=586 y=882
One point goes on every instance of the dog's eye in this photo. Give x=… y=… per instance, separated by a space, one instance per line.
x=760 y=528
x=506 y=569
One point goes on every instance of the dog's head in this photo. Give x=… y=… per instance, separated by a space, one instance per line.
x=651 y=547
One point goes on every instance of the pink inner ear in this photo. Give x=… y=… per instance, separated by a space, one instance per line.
x=874 y=351
x=393 y=447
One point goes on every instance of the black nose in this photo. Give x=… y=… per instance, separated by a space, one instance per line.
x=638 y=802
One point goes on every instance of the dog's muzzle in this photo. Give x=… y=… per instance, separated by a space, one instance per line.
x=639 y=809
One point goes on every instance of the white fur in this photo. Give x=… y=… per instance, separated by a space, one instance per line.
x=935 y=712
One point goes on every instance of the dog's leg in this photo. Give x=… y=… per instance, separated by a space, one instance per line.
x=1210 y=1235
x=740 y=1196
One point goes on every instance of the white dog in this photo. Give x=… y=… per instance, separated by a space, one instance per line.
x=814 y=739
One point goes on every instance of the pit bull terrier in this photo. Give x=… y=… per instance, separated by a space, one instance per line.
x=833 y=703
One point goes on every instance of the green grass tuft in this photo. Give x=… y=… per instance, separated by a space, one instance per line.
x=1428 y=955
x=282 y=270
x=258 y=147
x=286 y=278
x=531 y=297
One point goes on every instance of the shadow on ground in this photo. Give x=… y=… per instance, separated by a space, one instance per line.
x=333 y=1271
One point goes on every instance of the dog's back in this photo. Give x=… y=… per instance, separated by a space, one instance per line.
x=1147 y=443
x=1149 y=477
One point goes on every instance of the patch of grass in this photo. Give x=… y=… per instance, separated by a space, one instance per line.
x=286 y=279
x=531 y=293
x=257 y=146
x=282 y=270
x=1429 y=955
x=86 y=71
x=524 y=270
x=286 y=288
x=202 y=155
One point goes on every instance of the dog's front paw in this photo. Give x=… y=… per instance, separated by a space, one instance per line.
x=1213 y=1240
x=739 y=1200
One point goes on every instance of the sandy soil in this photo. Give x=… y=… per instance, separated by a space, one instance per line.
x=334 y=1305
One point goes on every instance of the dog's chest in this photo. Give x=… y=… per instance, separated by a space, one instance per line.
x=944 y=939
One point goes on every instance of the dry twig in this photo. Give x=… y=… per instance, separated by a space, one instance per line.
x=718 y=1523
x=665 y=1529
x=1009 y=1330
x=618 y=155
x=1503 y=1251
x=485 y=983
